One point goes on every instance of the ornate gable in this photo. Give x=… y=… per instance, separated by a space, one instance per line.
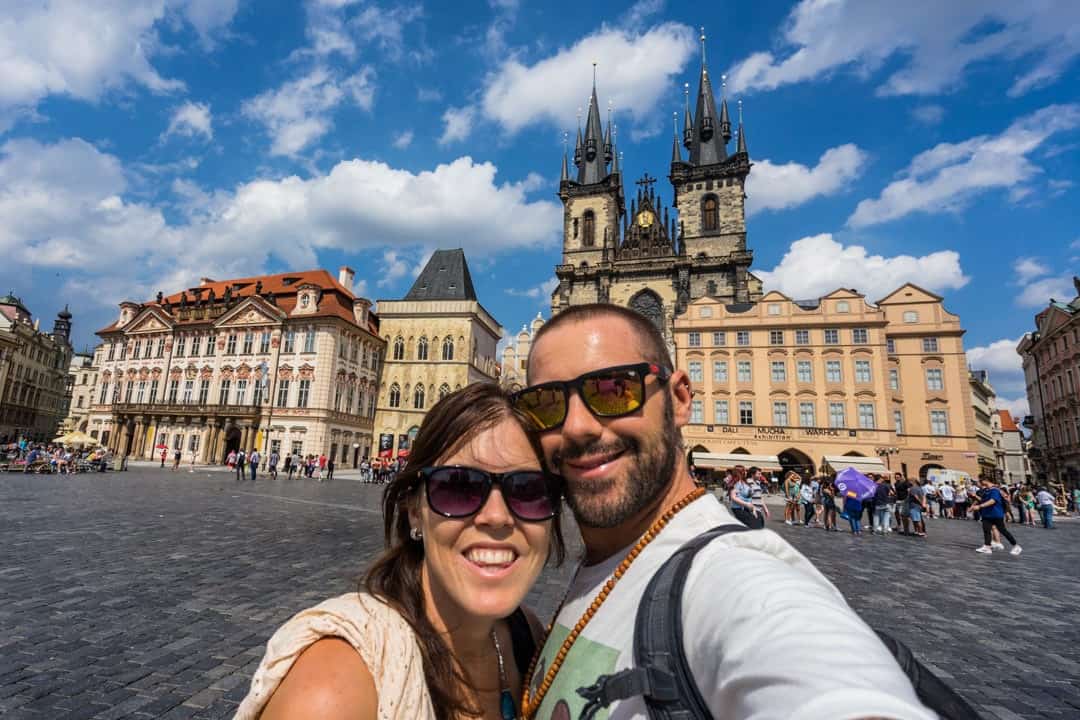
x=252 y=311
x=150 y=320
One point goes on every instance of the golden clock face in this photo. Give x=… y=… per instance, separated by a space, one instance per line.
x=645 y=218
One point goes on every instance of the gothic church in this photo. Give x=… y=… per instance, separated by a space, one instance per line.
x=647 y=257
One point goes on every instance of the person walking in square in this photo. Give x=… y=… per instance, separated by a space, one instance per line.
x=322 y=466
x=329 y=468
x=176 y=460
x=240 y=465
x=164 y=454
x=883 y=498
x=272 y=466
x=289 y=467
x=991 y=507
x=253 y=462
x=1046 y=507
x=917 y=506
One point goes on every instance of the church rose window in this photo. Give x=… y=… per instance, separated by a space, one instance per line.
x=648 y=304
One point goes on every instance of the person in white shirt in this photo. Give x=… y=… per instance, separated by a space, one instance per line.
x=1045 y=501
x=760 y=635
x=947 y=500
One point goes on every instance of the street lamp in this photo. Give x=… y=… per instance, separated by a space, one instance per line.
x=885 y=452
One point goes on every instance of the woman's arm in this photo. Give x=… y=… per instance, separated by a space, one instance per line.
x=329 y=681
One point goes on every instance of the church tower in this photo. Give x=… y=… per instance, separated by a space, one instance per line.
x=593 y=207
x=710 y=196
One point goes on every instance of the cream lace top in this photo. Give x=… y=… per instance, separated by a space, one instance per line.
x=384 y=640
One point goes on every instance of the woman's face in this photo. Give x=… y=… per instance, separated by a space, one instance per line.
x=482 y=566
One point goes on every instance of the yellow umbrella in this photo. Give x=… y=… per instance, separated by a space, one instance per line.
x=76 y=438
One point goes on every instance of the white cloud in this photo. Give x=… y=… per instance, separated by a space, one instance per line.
x=1028 y=268
x=640 y=12
x=429 y=95
x=1000 y=359
x=541 y=292
x=457 y=124
x=67 y=205
x=817 y=265
x=926 y=45
x=191 y=119
x=772 y=186
x=208 y=17
x=1018 y=407
x=393 y=267
x=1037 y=293
x=403 y=139
x=503 y=16
x=947 y=176
x=297 y=114
x=385 y=28
x=634 y=71
x=929 y=114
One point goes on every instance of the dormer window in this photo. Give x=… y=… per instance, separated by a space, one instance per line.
x=706 y=128
x=304 y=300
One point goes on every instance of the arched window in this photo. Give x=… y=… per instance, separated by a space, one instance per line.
x=418 y=397
x=448 y=348
x=444 y=390
x=647 y=303
x=710 y=214
x=421 y=349
x=399 y=348
x=588 y=232
x=395 y=395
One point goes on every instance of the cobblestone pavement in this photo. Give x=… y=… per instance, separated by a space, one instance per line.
x=152 y=594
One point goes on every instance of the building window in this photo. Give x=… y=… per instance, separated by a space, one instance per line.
x=204 y=391
x=444 y=390
x=399 y=348
x=696 y=374
x=180 y=342
x=302 y=392
x=779 y=413
x=832 y=336
x=241 y=392
x=862 y=371
x=158 y=352
x=720 y=412
x=104 y=393
x=223 y=392
x=395 y=396
x=832 y=371
x=894 y=379
x=697 y=412
x=189 y=390
x=211 y=345
x=934 y=379
x=421 y=349
x=337 y=398
x=290 y=342
x=802 y=337
x=742 y=337
x=911 y=316
x=804 y=371
x=866 y=416
x=705 y=312
x=153 y=391
x=128 y=390
x=743 y=371
x=588 y=233
x=776 y=337
x=746 y=412
x=836 y=415
x=939 y=422
x=283 y=393
x=719 y=338
x=174 y=389
x=898 y=421
x=230 y=344
x=695 y=339
x=264 y=342
x=418 y=397
x=779 y=371
x=890 y=346
x=719 y=371
x=807 y=415
x=710 y=214
x=140 y=393
x=309 y=340
x=860 y=336
x=447 y=348
x=929 y=345
x=842 y=306
x=774 y=308
x=112 y=350
x=196 y=341
x=138 y=348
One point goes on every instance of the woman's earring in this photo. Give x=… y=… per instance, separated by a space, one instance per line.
x=415 y=534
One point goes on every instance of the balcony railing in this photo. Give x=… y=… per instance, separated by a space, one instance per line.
x=158 y=408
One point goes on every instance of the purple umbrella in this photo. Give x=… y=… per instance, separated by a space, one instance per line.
x=852 y=480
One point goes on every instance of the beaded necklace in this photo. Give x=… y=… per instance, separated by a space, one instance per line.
x=506 y=700
x=529 y=703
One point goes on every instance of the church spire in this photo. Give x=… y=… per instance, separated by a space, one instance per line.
x=741 y=147
x=725 y=120
x=688 y=119
x=707 y=146
x=565 y=177
x=593 y=168
x=676 y=154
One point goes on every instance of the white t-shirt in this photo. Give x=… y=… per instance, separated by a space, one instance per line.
x=1044 y=498
x=946 y=493
x=766 y=634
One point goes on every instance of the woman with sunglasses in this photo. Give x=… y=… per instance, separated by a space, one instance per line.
x=437 y=631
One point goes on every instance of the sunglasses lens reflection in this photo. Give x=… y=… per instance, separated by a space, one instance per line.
x=530 y=495
x=546 y=406
x=456 y=492
x=614 y=393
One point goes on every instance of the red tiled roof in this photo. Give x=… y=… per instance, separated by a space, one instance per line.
x=337 y=300
x=1007 y=422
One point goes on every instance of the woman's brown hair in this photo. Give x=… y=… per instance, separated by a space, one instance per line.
x=395 y=575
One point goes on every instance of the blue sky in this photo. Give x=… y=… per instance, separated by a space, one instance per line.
x=145 y=144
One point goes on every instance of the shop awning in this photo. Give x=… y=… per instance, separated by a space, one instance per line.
x=723 y=461
x=862 y=464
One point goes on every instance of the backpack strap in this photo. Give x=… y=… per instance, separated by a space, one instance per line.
x=661 y=672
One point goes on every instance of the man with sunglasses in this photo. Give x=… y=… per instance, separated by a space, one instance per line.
x=755 y=613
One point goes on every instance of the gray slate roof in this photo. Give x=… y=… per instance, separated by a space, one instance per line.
x=445 y=277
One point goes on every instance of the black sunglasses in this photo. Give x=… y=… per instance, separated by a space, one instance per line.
x=456 y=491
x=609 y=392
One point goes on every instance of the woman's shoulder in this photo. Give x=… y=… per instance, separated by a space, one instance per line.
x=329 y=680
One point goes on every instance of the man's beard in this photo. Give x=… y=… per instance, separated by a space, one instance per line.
x=650 y=471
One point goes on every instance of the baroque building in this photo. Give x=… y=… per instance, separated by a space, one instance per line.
x=81 y=379
x=286 y=362
x=439 y=338
x=651 y=257
x=515 y=356
x=33 y=372
x=832 y=382
x=984 y=406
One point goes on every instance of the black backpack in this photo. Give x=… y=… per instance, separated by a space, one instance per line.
x=661 y=673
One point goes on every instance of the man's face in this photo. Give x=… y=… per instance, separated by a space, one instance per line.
x=614 y=467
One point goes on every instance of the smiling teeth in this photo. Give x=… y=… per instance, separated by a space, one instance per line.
x=488 y=556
